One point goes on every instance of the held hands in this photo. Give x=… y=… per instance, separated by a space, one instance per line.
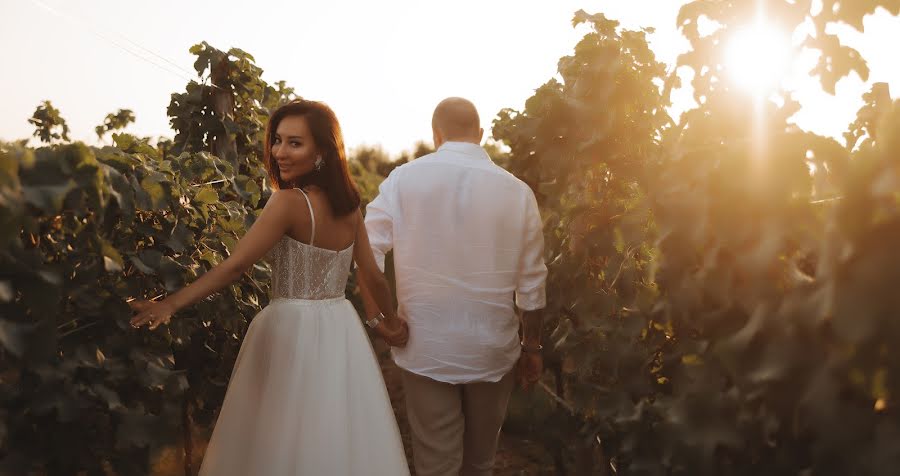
x=394 y=331
x=151 y=313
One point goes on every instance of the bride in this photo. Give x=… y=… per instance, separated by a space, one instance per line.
x=306 y=396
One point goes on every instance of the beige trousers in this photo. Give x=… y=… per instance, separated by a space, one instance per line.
x=455 y=427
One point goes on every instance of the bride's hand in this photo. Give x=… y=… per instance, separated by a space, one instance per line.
x=394 y=331
x=151 y=313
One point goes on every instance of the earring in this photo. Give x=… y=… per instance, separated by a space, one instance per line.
x=319 y=163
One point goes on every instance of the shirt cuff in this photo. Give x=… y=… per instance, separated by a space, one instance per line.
x=533 y=299
x=379 y=260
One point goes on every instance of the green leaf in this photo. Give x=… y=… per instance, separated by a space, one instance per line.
x=147 y=261
x=155 y=191
x=48 y=198
x=171 y=273
x=180 y=239
x=229 y=242
x=112 y=260
x=211 y=257
x=247 y=189
x=122 y=192
x=207 y=195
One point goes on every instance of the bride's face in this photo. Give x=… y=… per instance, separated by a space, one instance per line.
x=293 y=148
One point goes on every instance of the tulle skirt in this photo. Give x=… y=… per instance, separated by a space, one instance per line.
x=306 y=397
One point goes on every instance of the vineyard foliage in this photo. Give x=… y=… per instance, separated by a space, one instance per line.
x=84 y=229
x=722 y=286
x=722 y=293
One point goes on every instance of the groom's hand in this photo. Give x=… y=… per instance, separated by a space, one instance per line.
x=529 y=369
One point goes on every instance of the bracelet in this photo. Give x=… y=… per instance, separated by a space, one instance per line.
x=373 y=322
x=531 y=350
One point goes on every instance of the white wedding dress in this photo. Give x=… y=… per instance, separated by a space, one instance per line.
x=306 y=396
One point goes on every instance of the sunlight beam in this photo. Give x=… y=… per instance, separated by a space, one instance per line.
x=758 y=58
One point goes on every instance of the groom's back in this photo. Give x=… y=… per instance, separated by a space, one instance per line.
x=459 y=231
x=462 y=216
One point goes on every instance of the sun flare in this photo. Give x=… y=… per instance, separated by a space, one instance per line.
x=758 y=57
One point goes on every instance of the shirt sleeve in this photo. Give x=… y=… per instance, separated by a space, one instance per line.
x=532 y=282
x=380 y=220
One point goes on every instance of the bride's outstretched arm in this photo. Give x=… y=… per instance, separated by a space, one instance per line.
x=271 y=225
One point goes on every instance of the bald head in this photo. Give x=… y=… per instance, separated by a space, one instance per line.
x=456 y=119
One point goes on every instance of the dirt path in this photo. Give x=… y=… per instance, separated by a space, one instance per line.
x=515 y=456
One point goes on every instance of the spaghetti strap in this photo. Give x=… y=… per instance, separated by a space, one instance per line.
x=312 y=217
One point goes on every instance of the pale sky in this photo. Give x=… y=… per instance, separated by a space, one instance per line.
x=381 y=65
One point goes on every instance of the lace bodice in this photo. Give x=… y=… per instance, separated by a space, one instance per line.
x=301 y=271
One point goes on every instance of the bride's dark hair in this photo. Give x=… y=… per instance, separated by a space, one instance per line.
x=334 y=175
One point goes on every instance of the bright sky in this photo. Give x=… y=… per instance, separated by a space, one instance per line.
x=381 y=65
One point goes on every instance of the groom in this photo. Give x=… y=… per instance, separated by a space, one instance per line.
x=468 y=250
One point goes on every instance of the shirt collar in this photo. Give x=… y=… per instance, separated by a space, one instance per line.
x=467 y=148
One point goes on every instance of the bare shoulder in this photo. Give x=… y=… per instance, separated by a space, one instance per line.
x=285 y=199
x=286 y=204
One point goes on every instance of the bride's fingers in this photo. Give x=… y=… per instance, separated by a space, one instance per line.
x=137 y=321
x=397 y=339
x=138 y=305
x=402 y=336
x=144 y=317
x=157 y=323
x=140 y=319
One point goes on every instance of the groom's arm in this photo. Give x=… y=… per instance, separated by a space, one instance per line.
x=379 y=225
x=531 y=294
x=532 y=322
x=531 y=285
x=380 y=220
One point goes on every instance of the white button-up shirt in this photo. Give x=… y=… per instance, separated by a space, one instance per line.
x=467 y=238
